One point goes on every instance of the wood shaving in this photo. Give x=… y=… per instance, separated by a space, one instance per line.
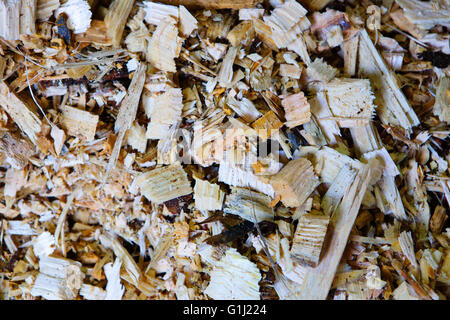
x=241 y=149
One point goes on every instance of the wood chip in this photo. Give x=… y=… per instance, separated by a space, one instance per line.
x=309 y=238
x=165 y=183
x=79 y=123
x=295 y=182
x=297 y=110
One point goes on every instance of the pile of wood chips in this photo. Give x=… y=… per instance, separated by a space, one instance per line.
x=230 y=149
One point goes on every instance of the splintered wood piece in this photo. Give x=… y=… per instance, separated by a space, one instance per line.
x=241 y=33
x=90 y=292
x=438 y=219
x=97 y=34
x=264 y=33
x=407 y=244
x=322 y=22
x=208 y=196
x=290 y=71
x=167 y=152
x=319 y=70
x=2 y=67
x=287 y=23
x=165 y=183
x=414 y=285
x=351 y=101
x=129 y=105
x=10 y=20
x=322 y=113
x=58 y=279
x=225 y=76
x=441 y=106
x=329 y=162
x=136 y=137
x=317 y=281
x=299 y=46
x=28 y=16
x=239 y=173
x=366 y=139
x=417 y=191
x=393 y=108
x=244 y=108
x=334 y=36
x=14 y=181
x=368 y=145
x=297 y=110
x=45 y=9
x=164 y=244
x=295 y=182
x=426 y=14
x=188 y=23
x=127 y=114
x=389 y=198
x=16 y=149
x=267 y=125
x=234 y=277
x=288 y=15
x=22 y=112
x=155 y=13
x=429 y=264
x=337 y=190
x=405 y=292
x=273 y=101
x=171 y=102
x=116 y=18
x=350 y=48
x=205 y=150
x=165 y=46
x=399 y=19
x=79 y=123
x=309 y=238
x=389 y=167
x=394 y=59
x=249 y=204
x=131 y=267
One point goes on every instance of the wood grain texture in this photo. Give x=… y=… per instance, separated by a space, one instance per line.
x=317 y=281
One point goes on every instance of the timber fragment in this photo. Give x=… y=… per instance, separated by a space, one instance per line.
x=295 y=182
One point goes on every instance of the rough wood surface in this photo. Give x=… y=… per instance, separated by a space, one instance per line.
x=317 y=281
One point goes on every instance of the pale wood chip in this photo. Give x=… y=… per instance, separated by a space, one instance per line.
x=393 y=108
x=79 y=123
x=23 y=113
x=309 y=238
x=164 y=46
x=295 y=182
x=208 y=196
x=441 y=106
x=297 y=110
x=116 y=18
x=165 y=183
x=248 y=205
